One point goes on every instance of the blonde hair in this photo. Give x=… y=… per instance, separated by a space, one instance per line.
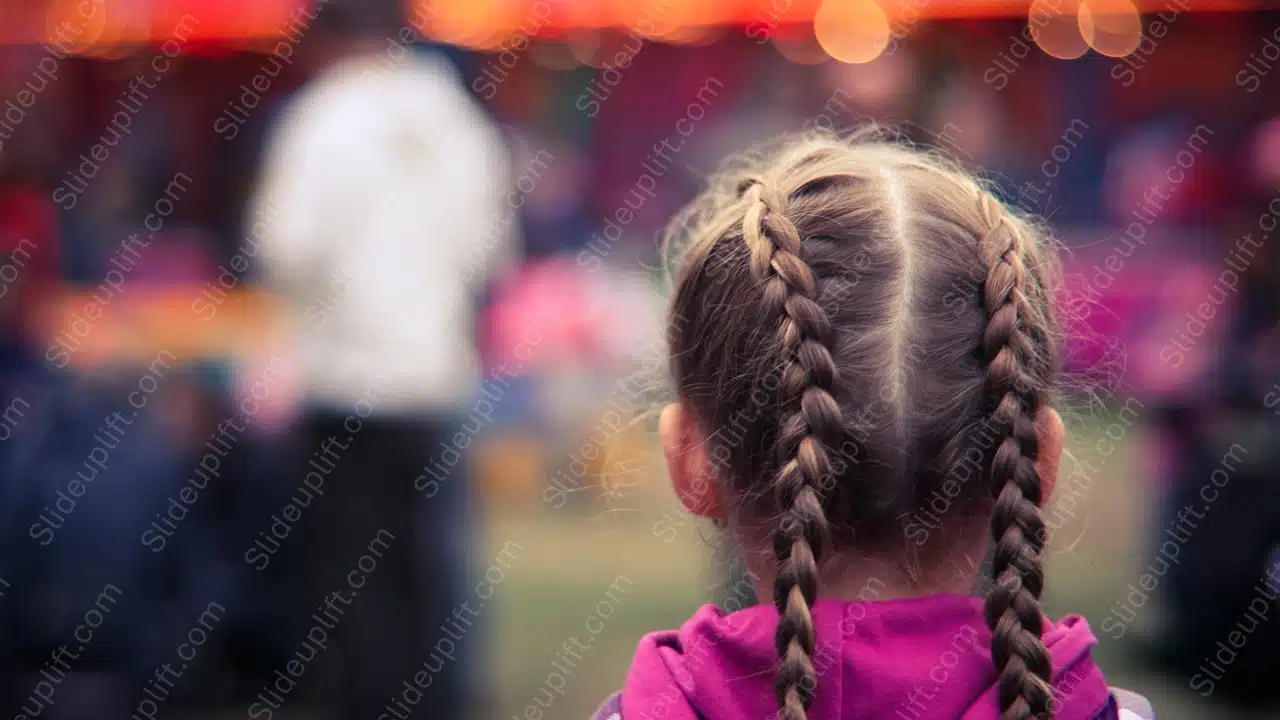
x=842 y=298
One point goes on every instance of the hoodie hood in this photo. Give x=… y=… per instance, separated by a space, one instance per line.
x=909 y=659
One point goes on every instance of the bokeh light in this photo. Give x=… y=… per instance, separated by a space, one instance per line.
x=1056 y=29
x=473 y=24
x=72 y=30
x=851 y=31
x=657 y=19
x=1111 y=27
x=798 y=44
x=124 y=29
x=695 y=35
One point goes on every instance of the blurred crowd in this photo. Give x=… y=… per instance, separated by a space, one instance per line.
x=133 y=291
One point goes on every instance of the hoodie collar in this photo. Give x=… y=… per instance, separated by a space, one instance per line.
x=906 y=659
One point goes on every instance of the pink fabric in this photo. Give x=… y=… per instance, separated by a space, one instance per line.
x=903 y=659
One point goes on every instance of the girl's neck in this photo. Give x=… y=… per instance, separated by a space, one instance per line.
x=855 y=577
x=872 y=580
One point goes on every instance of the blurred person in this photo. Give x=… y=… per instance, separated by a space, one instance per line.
x=97 y=460
x=70 y=527
x=1222 y=522
x=29 y=260
x=865 y=349
x=383 y=204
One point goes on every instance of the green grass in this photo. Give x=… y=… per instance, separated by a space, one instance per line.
x=558 y=581
x=569 y=563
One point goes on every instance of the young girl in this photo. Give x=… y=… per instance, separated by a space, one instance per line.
x=865 y=348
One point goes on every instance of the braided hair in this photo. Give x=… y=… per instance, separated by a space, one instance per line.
x=855 y=298
x=810 y=422
x=1013 y=605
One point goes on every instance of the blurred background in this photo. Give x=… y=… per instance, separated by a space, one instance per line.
x=233 y=231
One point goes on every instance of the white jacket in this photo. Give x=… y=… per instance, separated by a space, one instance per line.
x=385 y=196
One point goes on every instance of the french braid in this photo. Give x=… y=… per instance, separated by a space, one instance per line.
x=916 y=274
x=810 y=422
x=1013 y=604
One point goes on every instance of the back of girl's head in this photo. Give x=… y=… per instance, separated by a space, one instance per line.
x=852 y=320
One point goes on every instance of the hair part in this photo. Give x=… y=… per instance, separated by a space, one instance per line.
x=860 y=299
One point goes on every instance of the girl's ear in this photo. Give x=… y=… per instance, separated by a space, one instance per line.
x=686 y=453
x=1052 y=436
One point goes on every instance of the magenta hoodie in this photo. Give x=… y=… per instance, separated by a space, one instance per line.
x=909 y=659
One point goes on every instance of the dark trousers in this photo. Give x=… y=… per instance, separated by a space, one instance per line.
x=1218 y=586
x=380 y=640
